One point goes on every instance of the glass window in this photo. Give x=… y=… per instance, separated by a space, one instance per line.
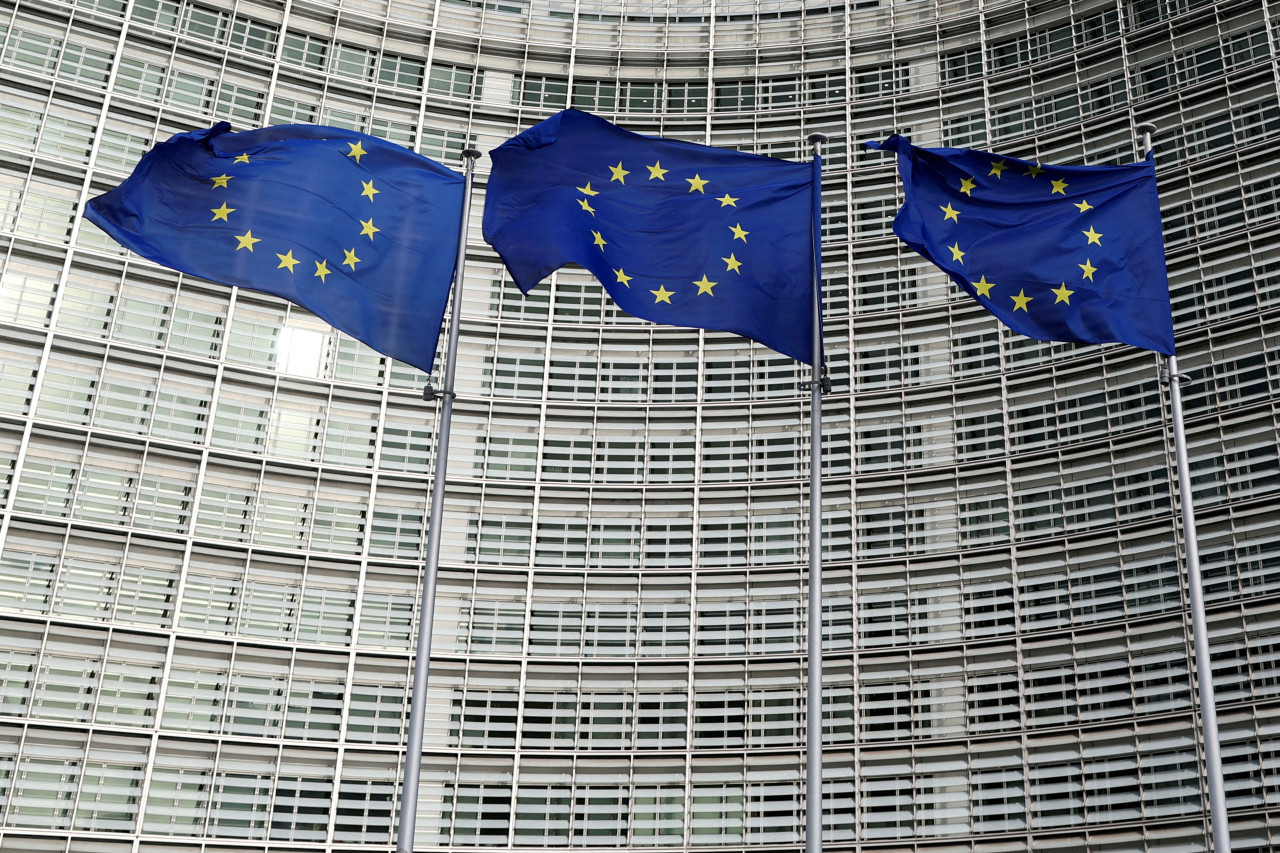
x=387 y=611
x=46 y=777
x=543 y=804
x=541 y=91
x=195 y=692
x=253 y=36
x=303 y=790
x=158 y=13
x=241 y=793
x=379 y=698
x=179 y=795
x=148 y=581
x=190 y=91
x=351 y=61
x=211 y=592
x=454 y=81
x=314 y=709
x=366 y=798
x=303 y=50
x=715 y=814
x=32 y=51
x=402 y=72
x=198 y=322
x=657 y=810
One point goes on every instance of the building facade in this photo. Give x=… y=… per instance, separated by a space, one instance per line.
x=213 y=506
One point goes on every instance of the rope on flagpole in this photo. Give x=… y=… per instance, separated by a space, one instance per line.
x=426 y=611
x=813 y=742
x=1195 y=585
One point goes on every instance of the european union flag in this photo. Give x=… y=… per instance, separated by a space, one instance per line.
x=678 y=233
x=359 y=231
x=1057 y=253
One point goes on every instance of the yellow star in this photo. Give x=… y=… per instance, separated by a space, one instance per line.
x=705 y=286
x=322 y=270
x=951 y=213
x=243 y=158
x=967 y=185
x=727 y=200
x=221 y=181
x=1059 y=187
x=697 y=183
x=1034 y=171
x=351 y=260
x=357 y=150
x=599 y=241
x=1089 y=269
x=1083 y=205
x=984 y=287
x=246 y=241
x=1062 y=293
x=367 y=228
x=221 y=212
x=287 y=260
x=956 y=254
x=623 y=278
x=997 y=168
x=369 y=190
x=1094 y=236
x=656 y=171
x=587 y=189
x=619 y=174
x=1020 y=301
x=586 y=205
x=662 y=294
x=733 y=263
x=738 y=233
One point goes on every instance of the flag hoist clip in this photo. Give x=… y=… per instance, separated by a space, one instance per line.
x=1165 y=376
x=430 y=393
x=823 y=381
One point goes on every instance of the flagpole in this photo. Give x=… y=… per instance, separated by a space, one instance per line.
x=1199 y=622
x=426 y=610
x=813 y=742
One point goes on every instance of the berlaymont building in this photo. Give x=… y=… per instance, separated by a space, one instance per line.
x=213 y=507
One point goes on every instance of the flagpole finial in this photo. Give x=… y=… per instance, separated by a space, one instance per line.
x=816 y=140
x=1146 y=129
x=471 y=153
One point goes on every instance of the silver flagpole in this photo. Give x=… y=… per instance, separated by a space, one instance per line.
x=426 y=610
x=1199 y=624
x=813 y=745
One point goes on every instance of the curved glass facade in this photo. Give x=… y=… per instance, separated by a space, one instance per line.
x=212 y=506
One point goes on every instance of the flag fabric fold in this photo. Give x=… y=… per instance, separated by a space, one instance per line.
x=359 y=231
x=677 y=233
x=1057 y=253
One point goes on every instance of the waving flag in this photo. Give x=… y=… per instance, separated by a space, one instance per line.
x=678 y=233
x=357 y=230
x=1057 y=253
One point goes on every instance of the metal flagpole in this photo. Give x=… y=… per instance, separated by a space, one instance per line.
x=426 y=610
x=813 y=744
x=1199 y=624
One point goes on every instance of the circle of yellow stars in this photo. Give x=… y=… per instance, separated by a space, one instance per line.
x=697 y=184
x=288 y=262
x=1062 y=293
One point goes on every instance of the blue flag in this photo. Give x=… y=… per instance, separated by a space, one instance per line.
x=359 y=231
x=1057 y=253
x=678 y=233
